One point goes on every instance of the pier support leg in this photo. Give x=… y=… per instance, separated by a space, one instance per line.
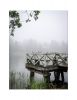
x=47 y=79
x=31 y=77
x=62 y=76
x=57 y=75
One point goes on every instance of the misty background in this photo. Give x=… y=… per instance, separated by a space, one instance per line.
x=48 y=34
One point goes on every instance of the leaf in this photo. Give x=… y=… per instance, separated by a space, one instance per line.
x=19 y=25
x=12 y=34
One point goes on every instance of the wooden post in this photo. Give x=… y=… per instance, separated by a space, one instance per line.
x=31 y=77
x=57 y=75
x=62 y=76
x=47 y=79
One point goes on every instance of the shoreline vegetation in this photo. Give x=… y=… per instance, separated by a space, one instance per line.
x=17 y=80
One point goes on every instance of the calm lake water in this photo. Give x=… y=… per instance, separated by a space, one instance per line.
x=17 y=64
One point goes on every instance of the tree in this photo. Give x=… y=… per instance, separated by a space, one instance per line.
x=14 y=19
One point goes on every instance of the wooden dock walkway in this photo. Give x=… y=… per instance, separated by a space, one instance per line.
x=46 y=63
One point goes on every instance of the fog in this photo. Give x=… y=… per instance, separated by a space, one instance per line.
x=51 y=25
x=47 y=34
x=17 y=53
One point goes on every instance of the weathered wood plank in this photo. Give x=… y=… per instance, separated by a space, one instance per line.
x=57 y=65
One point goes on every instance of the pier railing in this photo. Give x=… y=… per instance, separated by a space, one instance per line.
x=46 y=63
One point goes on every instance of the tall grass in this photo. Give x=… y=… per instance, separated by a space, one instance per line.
x=19 y=80
x=38 y=85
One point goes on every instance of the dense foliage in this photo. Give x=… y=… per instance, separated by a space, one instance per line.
x=14 y=19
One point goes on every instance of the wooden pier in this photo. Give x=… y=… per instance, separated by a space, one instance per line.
x=46 y=63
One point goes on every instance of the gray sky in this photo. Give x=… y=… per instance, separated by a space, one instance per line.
x=51 y=25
